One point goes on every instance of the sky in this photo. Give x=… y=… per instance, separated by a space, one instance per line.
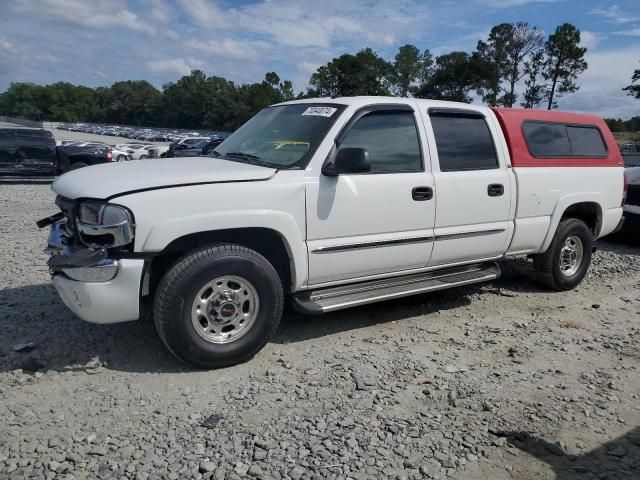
x=98 y=42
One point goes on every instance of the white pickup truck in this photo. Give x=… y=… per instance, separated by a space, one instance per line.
x=331 y=203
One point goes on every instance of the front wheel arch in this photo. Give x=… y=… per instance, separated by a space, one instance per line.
x=267 y=242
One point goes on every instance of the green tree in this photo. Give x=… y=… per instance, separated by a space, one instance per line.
x=501 y=59
x=491 y=59
x=634 y=89
x=132 y=103
x=454 y=76
x=24 y=100
x=364 y=73
x=534 y=92
x=565 y=61
x=410 y=67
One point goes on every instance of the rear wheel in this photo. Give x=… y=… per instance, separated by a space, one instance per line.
x=218 y=306
x=566 y=261
x=143 y=157
x=121 y=158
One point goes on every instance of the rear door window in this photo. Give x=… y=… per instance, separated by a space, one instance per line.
x=463 y=141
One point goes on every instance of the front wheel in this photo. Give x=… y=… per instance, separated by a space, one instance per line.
x=566 y=261
x=143 y=157
x=122 y=158
x=218 y=306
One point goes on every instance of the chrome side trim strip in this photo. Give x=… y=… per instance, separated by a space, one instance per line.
x=375 y=244
x=401 y=241
x=479 y=233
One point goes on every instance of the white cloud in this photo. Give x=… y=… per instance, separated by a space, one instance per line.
x=614 y=14
x=589 y=39
x=205 y=13
x=227 y=47
x=159 y=10
x=632 y=32
x=6 y=46
x=512 y=3
x=96 y=14
x=302 y=24
x=172 y=34
x=601 y=84
x=172 y=65
x=8 y=55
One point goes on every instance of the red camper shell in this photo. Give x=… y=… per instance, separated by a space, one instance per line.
x=548 y=138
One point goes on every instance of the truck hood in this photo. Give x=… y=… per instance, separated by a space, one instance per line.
x=114 y=179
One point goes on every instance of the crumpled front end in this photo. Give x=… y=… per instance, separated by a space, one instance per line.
x=88 y=261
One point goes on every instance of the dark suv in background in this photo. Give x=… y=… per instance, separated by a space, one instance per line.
x=27 y=152
x=32 y=153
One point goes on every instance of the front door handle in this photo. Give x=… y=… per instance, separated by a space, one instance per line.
x=495 y=190
x=421 y=194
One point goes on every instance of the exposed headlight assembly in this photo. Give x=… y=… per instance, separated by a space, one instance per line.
x=105 y=224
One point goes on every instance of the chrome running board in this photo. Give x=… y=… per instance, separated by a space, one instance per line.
x=336 y=298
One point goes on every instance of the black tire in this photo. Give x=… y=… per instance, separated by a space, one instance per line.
x=177 y=291
x=77 y=165
x=121 y=158
x=143 y=157
x=547 y=265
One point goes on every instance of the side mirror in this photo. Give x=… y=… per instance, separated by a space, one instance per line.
x=348 y=160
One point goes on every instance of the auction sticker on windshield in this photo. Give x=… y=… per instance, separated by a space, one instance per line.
x=320 y=111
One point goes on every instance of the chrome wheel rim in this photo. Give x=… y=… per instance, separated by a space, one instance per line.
x=225 y=309
x=571 y=256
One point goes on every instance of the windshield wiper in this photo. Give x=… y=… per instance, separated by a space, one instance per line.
x=244 y=155
x=248 y=158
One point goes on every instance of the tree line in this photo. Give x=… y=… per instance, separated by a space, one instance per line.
x=194 y=101
x=619 y=125
x=513 y=55
x=514 y=66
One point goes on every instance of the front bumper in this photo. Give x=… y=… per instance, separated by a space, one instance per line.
x=96 y=288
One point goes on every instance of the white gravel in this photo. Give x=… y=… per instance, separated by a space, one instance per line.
x=547 y=383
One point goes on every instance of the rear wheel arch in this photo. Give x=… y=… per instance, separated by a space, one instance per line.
x=589 y=212
x=587 y=209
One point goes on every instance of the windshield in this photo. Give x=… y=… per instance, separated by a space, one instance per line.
x=283 y=136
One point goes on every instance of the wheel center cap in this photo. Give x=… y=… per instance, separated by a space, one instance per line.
x=228 y=310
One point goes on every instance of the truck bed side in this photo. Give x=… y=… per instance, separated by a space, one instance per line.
x=550 y=187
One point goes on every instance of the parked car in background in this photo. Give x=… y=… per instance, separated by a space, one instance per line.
x=632 y=203
x=32 y=153
x=28 y=152
x=183 y=144
x=149 y=151
x=76 y=156
x=201 y=148
x=130 y=146
x=118 y=155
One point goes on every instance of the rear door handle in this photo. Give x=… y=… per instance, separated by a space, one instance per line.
x=495 y=190
x=421 y=194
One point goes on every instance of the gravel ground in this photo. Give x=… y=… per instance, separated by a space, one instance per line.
x=498 y=381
